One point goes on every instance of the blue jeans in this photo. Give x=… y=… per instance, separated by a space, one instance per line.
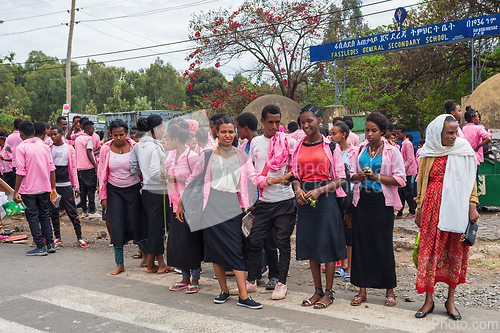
x=186 y=274
x=38 y=217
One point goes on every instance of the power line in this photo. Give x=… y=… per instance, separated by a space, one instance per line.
x=127 y=31
x=34 y=16
x=156 y=11
x=31 y=4
x=201 y=38
x=31 y=30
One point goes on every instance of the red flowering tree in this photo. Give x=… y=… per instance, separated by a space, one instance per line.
x=277 y=35
x=230 y=101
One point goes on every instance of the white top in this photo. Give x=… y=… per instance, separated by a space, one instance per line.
x=225 y=173
x=60 y=155
x=258 y=153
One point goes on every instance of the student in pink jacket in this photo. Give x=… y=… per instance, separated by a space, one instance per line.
x=120 y=193
x=339 y=133
x=226 y=195
x=406 y=193
x=35 y=182
x=64 y=158
x=377 y=174
x=319 y=175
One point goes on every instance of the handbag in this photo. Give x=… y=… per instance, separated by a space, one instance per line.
x=469 y=236
x=192 y=198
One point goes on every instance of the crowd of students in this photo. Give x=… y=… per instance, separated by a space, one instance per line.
x=339 y=194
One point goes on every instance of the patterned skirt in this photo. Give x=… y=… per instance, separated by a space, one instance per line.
x=442 y=257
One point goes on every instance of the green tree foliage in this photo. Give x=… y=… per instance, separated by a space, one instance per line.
x=163 y=85
x=204 y=83
x=141 y=104
x=115 y=103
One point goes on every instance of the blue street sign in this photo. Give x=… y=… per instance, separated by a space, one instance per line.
x=442 y=33
x=400 y=14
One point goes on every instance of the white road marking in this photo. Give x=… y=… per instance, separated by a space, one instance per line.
x=374 y=316
x=8 y=326
x=138 y=313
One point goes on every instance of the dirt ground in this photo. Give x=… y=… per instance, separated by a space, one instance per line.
x=481 y=289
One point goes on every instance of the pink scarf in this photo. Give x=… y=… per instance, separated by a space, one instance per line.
x=278 y=152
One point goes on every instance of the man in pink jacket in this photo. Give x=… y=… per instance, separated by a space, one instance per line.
x=64 y=158
x=35 y=179
x=406 y=193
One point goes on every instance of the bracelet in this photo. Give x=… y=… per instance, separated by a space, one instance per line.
x=378 y=178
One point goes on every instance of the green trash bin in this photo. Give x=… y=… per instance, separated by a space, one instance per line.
x=488 y=186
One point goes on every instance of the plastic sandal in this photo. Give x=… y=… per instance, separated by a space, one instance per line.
x=192 y=289
x=340 y=272
x=138 y=255
x=390 y=300
x=358 y=300
x=179 y=286
x=322 y=305
x=307 y=302
x=347 y=277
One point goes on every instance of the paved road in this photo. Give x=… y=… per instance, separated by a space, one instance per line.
x=70 y=292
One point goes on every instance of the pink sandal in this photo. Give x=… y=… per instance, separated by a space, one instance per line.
x=192 y=289
x=179 y=286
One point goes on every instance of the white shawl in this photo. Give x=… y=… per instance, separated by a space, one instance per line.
x=459 y=176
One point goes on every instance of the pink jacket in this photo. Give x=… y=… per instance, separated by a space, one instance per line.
x=338 y=170
x=475 y=134
x=392 y=165
x=298 y=134
x=103 y=168
x=408 y=157
x=7 y=164
x=34 y=162
x=179 y=169
x=247 y=172
x=353 y=153
x=13 y=141
x=353 y=139
x=72 y=170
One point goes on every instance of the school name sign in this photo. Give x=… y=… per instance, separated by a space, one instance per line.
x=442 y=33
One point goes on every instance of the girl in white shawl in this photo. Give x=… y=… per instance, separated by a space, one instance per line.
x=446 y=201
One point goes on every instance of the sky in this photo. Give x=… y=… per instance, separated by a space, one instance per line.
x=147 y=22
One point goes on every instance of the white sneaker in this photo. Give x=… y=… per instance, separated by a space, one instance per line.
x=251 y=288
x=94 y=215
x=279 y=291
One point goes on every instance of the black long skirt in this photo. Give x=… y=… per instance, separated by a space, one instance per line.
x=184 y=248
x=223 y=242
x=124 y=213
x=158 y=215
x=320 y=229
x=373 y=264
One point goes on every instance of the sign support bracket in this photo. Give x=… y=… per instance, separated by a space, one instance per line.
x=482 y=48
x=339 y=82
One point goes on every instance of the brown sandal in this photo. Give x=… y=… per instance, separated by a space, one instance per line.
x=308 y=302
x=323 y=305
x=390 y=300
x=358 y=300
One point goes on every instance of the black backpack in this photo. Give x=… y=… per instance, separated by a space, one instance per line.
x=344 y=202
x=192 y=198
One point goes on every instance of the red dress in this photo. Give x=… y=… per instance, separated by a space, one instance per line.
x=442 y=257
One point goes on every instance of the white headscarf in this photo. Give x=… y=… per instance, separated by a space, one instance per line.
x=459 y=176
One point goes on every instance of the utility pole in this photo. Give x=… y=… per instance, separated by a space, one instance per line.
x=68 y=55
